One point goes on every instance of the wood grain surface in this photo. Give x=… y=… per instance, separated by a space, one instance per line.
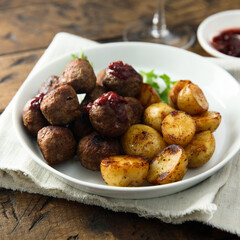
x=27 y=28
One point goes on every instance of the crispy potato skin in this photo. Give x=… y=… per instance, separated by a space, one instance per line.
x=168 y=166
x=178 y=128
x=200 y=149
x=174 y=91
x=192 y=100
x=142 y=140
x=155 y=113
x=124 y=171
x=209 y=120
x=148 y=95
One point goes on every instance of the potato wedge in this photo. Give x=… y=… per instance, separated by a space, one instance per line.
x=148 y=95
x=178 y=128
x=192 y=100
x=200 y=149
x=142 y=140
x=155 y=113
x=209 y=120
x=124 y=171
x=174 y=91
x=168 y=166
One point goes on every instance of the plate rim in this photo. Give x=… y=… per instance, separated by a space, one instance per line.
x=198 y=178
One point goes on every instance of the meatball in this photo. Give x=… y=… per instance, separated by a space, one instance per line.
x=94 y=147
x=33 y=119
x=49 y=84
x=122 y=79
x=56 y=143
x=135 y=110
x=82 y=126
x=60 y=106
x=108 y=115
x=93 y=95
x=100 y=77
x=80 y=75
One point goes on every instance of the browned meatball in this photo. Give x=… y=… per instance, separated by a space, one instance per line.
x=81 y=126
x=108 y=115
x=57 y=144
x=100 y=77
x=33 y=119
x=94 y=147
x=60 y=106
x=93 y=95
x=80 y=75
x=135 y=110
x=49 y=84
x=122 y=79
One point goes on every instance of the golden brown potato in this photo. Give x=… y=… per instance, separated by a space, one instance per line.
x=207 y=121
x=143 y=141
x=178 y=128
x=155 y=113
x=168 y=166
x=191 y=99
x=200 y=149
x=174 y=91
x=148 y=95
x=124 y=171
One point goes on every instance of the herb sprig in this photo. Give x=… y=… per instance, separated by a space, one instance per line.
x=151 y=79
x=81 y=55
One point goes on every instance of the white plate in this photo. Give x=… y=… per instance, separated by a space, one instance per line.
x=215 y=24
x=220 y=88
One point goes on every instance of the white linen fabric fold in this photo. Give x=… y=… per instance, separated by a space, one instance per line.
x=214 y=201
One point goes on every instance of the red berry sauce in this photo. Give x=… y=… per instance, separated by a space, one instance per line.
x=116 y=102
x=36 y=101
x=122 y=71
x=228 y=42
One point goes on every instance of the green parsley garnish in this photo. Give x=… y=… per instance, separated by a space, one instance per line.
x=150 y=78
x=81 y=55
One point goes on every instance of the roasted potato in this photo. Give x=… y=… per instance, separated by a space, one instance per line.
x=178 y=128
x=200 y=149
x=143 y=141
x=155 y=113
x=168 y=166
x=148 y=95
x=207 y=121
x=124 y=171
x=192 y=100
x=174 y=91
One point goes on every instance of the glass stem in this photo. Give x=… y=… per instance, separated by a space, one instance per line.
x=159 y=27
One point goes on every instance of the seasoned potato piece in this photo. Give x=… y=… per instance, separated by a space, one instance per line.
x=191 y=99
x=178 y=128
x=148 y=95
x=155 y=113
x=174 y=91
x=124 y=171
x=208 y=121
x=200 y=149
x=143 y=141
x=168 y=166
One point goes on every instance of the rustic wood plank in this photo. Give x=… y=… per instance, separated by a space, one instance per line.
x=33 y=25
x=41 y=217
x=13 y=71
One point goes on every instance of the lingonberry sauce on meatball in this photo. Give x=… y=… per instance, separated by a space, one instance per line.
x=108 y=115
x=122 y=79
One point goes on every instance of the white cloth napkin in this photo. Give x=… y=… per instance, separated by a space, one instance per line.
x=214 y=201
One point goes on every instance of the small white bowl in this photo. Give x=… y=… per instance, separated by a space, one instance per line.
x=215 y=24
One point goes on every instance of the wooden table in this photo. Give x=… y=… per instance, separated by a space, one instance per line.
x=27 y=28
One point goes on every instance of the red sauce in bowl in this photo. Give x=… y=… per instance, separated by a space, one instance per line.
x=228 y=42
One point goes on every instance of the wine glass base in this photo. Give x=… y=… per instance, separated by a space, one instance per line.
x=179 y=36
